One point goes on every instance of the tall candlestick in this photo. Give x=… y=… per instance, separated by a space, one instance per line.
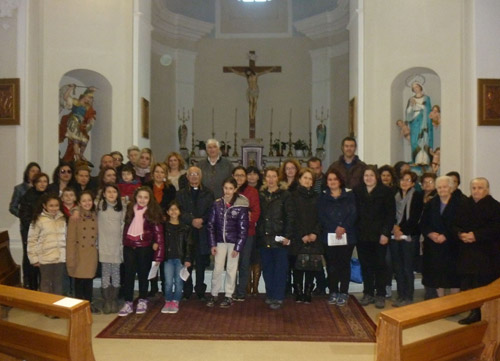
x=271 y=119
x=213 y=123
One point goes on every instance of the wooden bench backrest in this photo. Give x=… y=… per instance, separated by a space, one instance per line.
x=480 y=339
x=23 y=342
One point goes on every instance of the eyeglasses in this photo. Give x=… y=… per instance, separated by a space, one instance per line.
x=239 y=175
x=64 y=171
x=193 y=174
x=429 y=182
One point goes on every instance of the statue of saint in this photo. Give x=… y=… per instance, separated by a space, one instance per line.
x=76 y=125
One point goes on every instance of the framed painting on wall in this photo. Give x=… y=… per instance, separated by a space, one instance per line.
x=9 y=102
x=145 y=118
x=488 y=101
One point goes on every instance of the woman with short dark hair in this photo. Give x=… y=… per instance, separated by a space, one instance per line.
x=376 y=213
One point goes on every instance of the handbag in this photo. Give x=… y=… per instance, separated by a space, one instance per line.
x=356 y=276
x=309 y=262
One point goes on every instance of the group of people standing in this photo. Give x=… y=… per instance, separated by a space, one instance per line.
x=287 y=222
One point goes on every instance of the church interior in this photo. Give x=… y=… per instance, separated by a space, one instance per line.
x=159 y=65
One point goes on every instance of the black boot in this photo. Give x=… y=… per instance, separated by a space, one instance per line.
x=308 y=293
x=153 y=287
x=299 y=294
x=474 y=316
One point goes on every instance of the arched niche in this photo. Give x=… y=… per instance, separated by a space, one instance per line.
x=100 y=134
x=401 y=92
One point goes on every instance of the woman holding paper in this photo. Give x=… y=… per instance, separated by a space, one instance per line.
x=337 y=215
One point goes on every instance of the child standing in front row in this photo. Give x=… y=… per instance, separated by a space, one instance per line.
x=142 y=244
x=47 y=243
x=110 y=215
x=82 y=248
x=179 y=251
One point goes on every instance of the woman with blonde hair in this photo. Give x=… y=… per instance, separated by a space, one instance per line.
x=176 y=173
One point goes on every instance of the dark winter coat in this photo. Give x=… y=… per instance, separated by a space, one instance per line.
x=196 y=207
x=228 y=224
x=306 y=222
x=180 y=235
x=376 y=212
x=439 y=261
x=410 y=226
x=334 y=212
x=27 y=206
x=168 y=194
x=277 y=217
x=483 y=219
x=353 y=175
x=15 y=202
x=153 y=233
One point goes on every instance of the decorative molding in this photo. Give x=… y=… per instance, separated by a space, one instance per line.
x=325 y=24
x=176 y=26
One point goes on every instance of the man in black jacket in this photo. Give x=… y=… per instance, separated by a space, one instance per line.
x=196 y=202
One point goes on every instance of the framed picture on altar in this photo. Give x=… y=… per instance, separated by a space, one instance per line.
x=9 y=101
x=252 y=155
x=488 y=102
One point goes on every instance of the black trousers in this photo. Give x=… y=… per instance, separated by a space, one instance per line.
x=373 y=267
x=338 y=264
x=83 y=288
x=136 y=261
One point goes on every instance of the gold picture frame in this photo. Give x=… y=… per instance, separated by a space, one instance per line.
x=145 y=118
x=353 y=119
x=488 y=101
x=9 y=102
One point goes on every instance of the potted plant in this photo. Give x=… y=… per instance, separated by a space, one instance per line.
x=300 y=146
x=279 y=147
x=202 y=148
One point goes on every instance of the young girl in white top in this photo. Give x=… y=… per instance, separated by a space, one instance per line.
x=47 y=243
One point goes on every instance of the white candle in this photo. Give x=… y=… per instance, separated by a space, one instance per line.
x=235 y=119
x=310 y=121
x=290 y=122
x=192 y=120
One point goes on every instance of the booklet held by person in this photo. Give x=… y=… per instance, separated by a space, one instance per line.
x=153 y=272
x=334 y=241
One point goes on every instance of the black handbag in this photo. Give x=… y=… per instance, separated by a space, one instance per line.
x=309 y=262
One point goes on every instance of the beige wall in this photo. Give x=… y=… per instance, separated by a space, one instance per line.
x=226 y=91
x=402 y=35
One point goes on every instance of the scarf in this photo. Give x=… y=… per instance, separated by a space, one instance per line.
x=402 y=204
x=136 y=228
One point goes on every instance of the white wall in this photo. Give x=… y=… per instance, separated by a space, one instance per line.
x=487 y=51
x=402 y=34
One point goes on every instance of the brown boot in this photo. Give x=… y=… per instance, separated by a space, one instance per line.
x=255 y=278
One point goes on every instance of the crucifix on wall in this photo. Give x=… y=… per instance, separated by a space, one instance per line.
x=252 y=73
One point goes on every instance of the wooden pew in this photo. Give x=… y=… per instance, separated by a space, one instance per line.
x=478 y=341
x=19 y=342
x=10 y=272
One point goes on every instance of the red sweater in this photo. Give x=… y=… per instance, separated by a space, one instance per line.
x=254 y=209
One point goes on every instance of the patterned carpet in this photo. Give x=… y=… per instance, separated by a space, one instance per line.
x=248 y=320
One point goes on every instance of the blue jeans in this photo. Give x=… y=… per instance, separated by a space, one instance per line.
x=244 y=267
x=274 y=270
x=171 y=270
x=403 y=255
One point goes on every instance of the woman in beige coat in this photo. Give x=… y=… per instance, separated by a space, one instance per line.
x=81 y=247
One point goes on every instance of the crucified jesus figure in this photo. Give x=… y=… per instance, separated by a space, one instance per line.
x=253 y=87
x=252 y=73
